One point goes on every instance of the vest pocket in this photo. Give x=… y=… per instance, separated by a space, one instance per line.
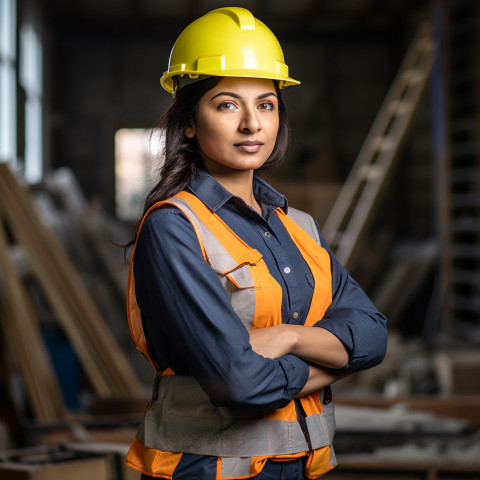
x=241 y=276
x=240 y=284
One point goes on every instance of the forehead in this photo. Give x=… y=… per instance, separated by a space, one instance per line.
x=244 y=86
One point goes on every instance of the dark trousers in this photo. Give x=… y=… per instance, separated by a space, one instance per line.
x=293 y=470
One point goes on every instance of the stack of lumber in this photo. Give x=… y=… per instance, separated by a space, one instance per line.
x=22 y=333
x=89 y=229
x=103 y=361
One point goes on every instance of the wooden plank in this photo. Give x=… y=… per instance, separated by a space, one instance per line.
x=22 y=331
x=97 y=336
x=104 y=362
x=41 y=265
x=92 y=223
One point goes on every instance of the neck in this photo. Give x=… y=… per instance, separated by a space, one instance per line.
x=239 y=184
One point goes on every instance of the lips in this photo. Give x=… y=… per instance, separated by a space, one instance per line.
x=250 y=146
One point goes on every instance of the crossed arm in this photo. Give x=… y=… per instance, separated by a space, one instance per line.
x=323 y=350
x=351 y=336
x=214 y=348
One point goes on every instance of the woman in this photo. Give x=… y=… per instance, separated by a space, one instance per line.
x=233 y=296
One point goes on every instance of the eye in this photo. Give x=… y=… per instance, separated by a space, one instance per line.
x=266 y=106
x=227 y=106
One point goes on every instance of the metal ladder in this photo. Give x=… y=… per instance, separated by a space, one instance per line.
x=363 y=190
x=459 y=188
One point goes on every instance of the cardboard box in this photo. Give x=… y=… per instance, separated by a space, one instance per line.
x=49 y=464
x=117 y=452
x=458 y=372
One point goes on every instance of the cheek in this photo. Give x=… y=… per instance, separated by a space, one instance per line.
x=274 y=121
x=208 y=128
x=274 y=130
x=208 y=140
x=218 y=133
x=206 y=135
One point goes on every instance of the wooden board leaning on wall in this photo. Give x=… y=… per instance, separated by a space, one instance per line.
x=102 y=359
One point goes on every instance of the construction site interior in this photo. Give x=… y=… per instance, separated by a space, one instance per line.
x=386 y=154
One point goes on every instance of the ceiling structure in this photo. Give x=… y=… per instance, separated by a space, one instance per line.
x=300 y=15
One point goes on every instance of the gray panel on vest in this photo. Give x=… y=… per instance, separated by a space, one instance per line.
x=305 y=222
x=235 y=466
x=333 y=458
x=184 y=420
x=321 y=427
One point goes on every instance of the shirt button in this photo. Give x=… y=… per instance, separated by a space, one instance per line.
x=268 y=234
x=295 y=314
x=286 y=269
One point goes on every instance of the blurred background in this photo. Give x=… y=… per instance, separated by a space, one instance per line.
x=385 y=156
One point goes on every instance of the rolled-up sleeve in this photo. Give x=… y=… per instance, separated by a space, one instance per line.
x=354 y=320
x=187 y=311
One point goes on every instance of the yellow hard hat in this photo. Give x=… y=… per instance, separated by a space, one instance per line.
x=227 y=42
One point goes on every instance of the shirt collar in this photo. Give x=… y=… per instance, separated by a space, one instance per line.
x=214 y=195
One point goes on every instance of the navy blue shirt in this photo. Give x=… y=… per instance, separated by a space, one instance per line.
x=190 y=323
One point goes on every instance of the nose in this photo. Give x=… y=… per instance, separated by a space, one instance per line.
x=250 y=122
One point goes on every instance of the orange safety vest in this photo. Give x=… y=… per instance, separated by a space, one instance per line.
x=180 y=417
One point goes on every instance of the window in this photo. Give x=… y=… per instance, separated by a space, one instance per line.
x=8 y=93
x=31 y=81
x=136 y=162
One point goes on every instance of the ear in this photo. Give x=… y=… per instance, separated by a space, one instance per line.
x=190 y=131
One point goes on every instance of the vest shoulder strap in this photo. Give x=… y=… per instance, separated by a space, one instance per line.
x=305 y=222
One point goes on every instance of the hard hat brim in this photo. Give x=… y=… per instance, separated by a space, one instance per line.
x=167 y=82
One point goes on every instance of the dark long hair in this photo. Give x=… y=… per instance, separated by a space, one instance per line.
x=181 y=157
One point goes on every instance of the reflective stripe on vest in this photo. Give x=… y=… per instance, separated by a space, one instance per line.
x=241 y=269
x=180 y=417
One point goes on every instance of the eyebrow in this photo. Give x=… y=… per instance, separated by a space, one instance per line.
x=235 y=95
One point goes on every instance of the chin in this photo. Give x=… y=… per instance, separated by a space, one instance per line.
x=249 y=167
x=251 y=163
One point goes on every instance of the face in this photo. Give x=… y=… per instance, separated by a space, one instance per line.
x=236 y=125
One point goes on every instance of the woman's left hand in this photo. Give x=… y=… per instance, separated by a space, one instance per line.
x=313 y=344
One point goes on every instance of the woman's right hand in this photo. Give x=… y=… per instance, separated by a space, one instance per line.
x=318 y=378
